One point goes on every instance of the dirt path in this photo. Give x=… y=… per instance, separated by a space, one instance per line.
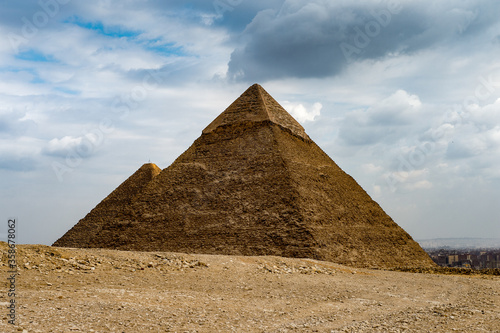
x=69 y=290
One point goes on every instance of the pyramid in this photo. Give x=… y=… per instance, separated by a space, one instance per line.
x=253 y=183
x=82 y=234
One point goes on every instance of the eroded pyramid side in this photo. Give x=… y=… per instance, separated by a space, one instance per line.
x=85 y=231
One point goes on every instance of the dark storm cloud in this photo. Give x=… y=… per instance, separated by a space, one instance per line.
x=319 y=38
x=230 y=14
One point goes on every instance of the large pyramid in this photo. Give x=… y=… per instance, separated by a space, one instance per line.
x=253 y=183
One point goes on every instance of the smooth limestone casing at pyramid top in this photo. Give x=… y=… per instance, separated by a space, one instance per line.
x=253 y=183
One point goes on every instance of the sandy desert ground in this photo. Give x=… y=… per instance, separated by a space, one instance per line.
x=94 y=290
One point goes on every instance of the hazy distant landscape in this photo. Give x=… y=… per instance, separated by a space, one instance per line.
x=460 y=243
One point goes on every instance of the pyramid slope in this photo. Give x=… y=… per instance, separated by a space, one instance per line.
x=349 y=227
x=83 y=233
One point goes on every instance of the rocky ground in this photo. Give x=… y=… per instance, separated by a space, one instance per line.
x=94 y=290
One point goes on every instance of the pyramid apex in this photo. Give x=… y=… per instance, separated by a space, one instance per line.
x=256 y=105
x=149 y=166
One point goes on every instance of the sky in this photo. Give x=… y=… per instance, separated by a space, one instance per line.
x=403 y=95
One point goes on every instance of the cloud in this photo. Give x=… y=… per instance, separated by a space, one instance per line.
x=408 y=179
x=467 y=144
x=466 y=148
x=485 y=117
x=301 y=113
x=15 y=123
x=17 y=163
x=371 y=168
x=83 y=146
x=420 y=185
x=320 y=38
x=476 y=132
x=384 y=121
x=19 y=154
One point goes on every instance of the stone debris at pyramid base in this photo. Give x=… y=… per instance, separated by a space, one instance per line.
x=253 y=183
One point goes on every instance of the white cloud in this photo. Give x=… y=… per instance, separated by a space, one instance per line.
x=420 y=185
x=301 y=113
x=371 y=168
x=400 y=108
x=410 y=175
x=387 y=120
x=82 y=146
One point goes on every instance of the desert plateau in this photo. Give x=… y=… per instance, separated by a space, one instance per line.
x=102 y=290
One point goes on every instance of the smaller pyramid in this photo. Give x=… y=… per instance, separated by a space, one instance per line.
x=84 y=232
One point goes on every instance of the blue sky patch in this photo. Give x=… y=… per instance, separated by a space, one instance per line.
x=105 y=30
x=35 y=56
x=37 y=80
x=154 y=45
x=169 y=49
x=32 y=71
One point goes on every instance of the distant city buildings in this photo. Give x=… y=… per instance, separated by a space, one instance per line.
x=476 y=259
